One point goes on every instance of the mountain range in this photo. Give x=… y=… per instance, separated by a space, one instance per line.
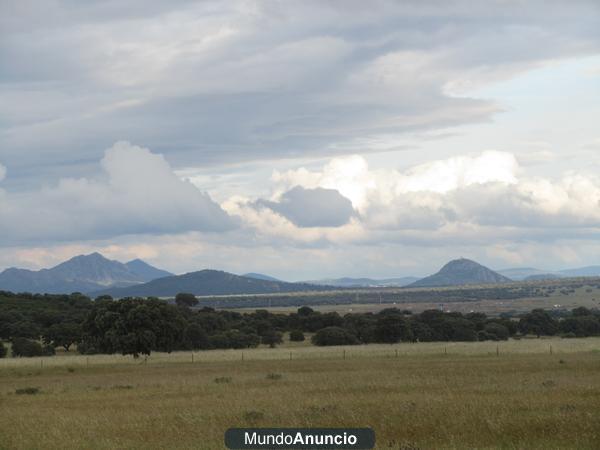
x=531 y=273
x=94 y=274
x=83 y=273
x=364 y=282
x=208 y=282
x=461 y=272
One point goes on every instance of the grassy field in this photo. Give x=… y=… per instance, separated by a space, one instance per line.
x=536 y=393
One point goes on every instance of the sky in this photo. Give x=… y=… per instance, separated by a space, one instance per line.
x=303 y=140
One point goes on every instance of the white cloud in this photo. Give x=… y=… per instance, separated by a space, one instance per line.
x=137 y=193
x=484 y=197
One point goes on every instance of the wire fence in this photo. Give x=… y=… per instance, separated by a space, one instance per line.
x=425 y=349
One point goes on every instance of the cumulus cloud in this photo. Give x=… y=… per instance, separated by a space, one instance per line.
x=136 y=193
x=317 y=207
x=484 y=197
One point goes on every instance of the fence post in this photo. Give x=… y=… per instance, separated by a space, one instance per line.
x=550 y=348
x=344 y=354
x=497 y=350
x=396 y=353
x=192 y=357
x=290 y=356
x=242 y=356
x=445 y=350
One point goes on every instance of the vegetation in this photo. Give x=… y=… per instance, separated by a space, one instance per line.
x=421 y=399
x=138 y=326
x=185 y=299
x=28 y=348
x=296 y=336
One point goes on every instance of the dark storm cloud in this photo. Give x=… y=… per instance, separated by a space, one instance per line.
x=308 y=208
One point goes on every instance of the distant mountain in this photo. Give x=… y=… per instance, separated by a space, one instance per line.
x=460 y=272
x=83 y=273
x=364 y=282
x=207 y=282
x=543 y=276
x=146 y=271
x=521 y=273
x=526 y=273
x=260 y=276
x=589 y=271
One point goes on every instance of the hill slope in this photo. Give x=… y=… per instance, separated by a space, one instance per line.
x=207 y=282
x=364 y=282
x=260 y=276
x=145 y=271
x=83 y=273
x=459 y=272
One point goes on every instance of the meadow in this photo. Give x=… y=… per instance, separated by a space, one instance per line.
x=528 y=393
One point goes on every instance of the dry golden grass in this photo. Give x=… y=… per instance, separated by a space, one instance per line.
x=423 y=398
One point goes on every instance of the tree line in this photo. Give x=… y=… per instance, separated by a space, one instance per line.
x=37 y=324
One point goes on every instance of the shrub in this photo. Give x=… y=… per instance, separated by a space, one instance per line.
x=185 y=299
x=497 y=331
x=272 y=338
x=296 y=336
x=222 y=380
x=27 y=391
x=274 y=376
x=3 y=350
x=86 y=349
x=194 y=337
x=26 y=347
x=48 y=350
x=334 y=336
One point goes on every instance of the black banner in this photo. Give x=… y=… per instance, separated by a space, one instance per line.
x=300 y=438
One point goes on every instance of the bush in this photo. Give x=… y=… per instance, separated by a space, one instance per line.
x=234 y=339
x=85 y=348
x=194 y=337
x=26 y=347
x=27 y=391
x=3 y=350
x=272 y=338
x=334 y=336
x=497 y=331
x=296 y=336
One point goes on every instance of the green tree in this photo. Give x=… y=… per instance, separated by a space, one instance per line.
x=3 y=350
x=186 y=299
x=392 y=328
x=272 y=338
x=134 y=326
x=296 y=336
x=28 y=348
x=194 y=337
x=538 y=322
x=63 y=334
x=334 y=336
x=498 y=331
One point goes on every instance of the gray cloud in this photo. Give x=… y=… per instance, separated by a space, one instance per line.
x=222 y=82
x=308 y=208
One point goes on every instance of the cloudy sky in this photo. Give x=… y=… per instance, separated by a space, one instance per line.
x=300 y=139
